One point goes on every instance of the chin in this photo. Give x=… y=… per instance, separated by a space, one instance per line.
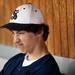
x=23 y=50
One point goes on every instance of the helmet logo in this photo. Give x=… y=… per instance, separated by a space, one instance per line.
x=14 y=15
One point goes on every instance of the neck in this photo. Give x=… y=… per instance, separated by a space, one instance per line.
x=38 y=52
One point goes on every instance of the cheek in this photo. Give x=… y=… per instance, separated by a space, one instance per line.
x=28 y=40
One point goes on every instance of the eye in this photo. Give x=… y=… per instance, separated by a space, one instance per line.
x=21 y=32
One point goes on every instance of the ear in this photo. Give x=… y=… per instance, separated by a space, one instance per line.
x=40 y=33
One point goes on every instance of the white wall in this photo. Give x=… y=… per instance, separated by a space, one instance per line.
x=2 y=62
x=66 y=65
x=8 y=51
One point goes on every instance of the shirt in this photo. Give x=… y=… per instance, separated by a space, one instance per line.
x=27 y=62
x=43 y=66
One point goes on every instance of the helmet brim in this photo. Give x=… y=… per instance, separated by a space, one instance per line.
x=19 y=27
x=12 y=26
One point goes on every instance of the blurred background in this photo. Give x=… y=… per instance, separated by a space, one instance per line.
x=59 y=15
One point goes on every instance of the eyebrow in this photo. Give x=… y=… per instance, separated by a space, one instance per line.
x=17 y=31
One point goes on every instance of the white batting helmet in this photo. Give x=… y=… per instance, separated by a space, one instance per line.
x=24 y=15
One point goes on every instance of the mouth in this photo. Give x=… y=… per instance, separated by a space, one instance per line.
x=19 y=45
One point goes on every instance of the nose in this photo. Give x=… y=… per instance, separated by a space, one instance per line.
x=16 y=38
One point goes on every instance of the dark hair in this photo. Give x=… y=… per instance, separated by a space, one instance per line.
x=45 y=30
x=35 y=28
x=38 y=29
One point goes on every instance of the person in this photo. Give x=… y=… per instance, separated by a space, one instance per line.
x=29 y=34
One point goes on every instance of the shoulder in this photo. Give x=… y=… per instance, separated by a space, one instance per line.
x=17 y=56
x=50 y=66
x=47 y=66
x=14 y=60
x=49 y=60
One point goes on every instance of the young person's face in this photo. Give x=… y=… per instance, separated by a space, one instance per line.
x=26 y=41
